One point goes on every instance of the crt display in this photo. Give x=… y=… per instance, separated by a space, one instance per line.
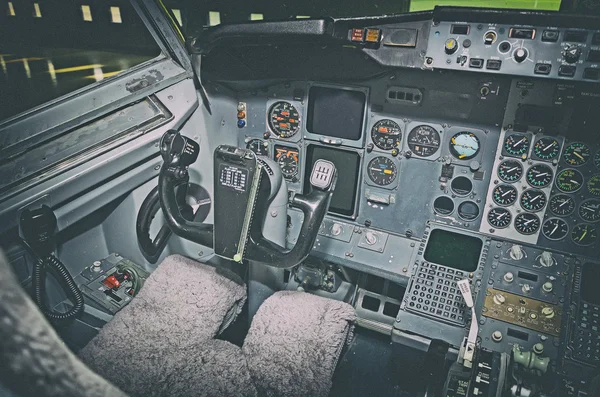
x=454 y=250
x=336 y=113
x=589 y=283
x=348 y=165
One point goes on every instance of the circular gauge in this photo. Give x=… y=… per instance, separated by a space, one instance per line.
x=533 y=200
x=382 y=171
x=593 y=185
x=510 y=171
x=424 y=141
x=468 y=210
x=577 y=154
x=597 y=159
x=504 y=195
x=386 y=134
x=443 y=205
x=583 y=234
x=569 y=180
x=527 y=223
x=539 y=175
x=461 y=186
x=499 y=217
x=284 y=119
x=546 y=148
x=562 y=205
x=258 y=146
x=287 y=158
x=555 y=229
x=464 y=145
x=589 y=210
x=516 y=145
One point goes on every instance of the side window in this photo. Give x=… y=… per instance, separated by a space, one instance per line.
x=50 y=48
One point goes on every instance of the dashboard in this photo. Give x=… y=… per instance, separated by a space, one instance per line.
x=477 y=157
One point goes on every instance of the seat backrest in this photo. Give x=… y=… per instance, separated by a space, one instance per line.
x=34 y=361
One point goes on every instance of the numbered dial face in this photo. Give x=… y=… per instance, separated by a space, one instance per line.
x=287 y=158
x=533 y=200
x=527 y=223
x=569 y=180
x=382 y=171
x=499 y=217
x=597 y=160
x=516 y=145
x=555 y=229
x=424 y=141
x=386 y=134
x=464 y=145
x=562 y=205
x=593 y=185
x=504 y=194
x=589 y=210
x=258 y=146
x=584 y=234
x=510 y=171
x=284 y=119
x=577 y=154
x=546 y=148
x=539 y=175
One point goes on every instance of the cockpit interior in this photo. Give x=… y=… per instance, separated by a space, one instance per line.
x=260 y=201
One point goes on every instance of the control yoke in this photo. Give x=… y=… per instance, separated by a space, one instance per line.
x=250 y=203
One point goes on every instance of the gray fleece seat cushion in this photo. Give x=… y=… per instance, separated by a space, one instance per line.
x=294 y=343
x=180 y=308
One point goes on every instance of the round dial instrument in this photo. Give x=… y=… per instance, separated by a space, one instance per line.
x=504 y=195
x=499 y=217
x=539 y=175
x=468 y=210
x=516 y=145
x=424 y=141
x=597 y=159
x=577 y=154
x=555 y=229
x=287 y=158
x=386 y=134
x=258 y=146
x=533 y=200
x=284 y=119
x=510 y=171
x=562 y=205
x=464 y=145
x=527 y=223
x=589 y=210
x=382 y=170
x=569 y=180
x=584 y=234
x=593 y=185
x=546 y=148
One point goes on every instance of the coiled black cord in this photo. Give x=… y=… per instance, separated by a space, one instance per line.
x=64 y=277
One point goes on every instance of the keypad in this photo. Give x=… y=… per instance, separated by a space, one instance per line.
x=586 y=344
x=434 y=292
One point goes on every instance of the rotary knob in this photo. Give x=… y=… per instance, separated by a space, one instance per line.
x=450 y=46
x=520 y=54
x=509 y=277
x=336 y=229
x=548 y=312
x=370 y=238
x=547 y=287
x=571 y=53
x=96 y=266
x=516 y=252
x=546 y=259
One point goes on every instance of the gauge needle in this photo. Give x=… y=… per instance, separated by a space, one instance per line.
x=589 y=209
x=564 y=202
x=535 y=198
x=575 y=182
x=553 y=230
x=506 y=193
x=542 y=174
x=512 y=169
x=578 y=155
x=528 y=222
x=583 y=235
x=518 y=143
x=502 y=215
x=549 y=146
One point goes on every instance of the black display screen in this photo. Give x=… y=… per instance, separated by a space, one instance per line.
x=454 y=250
x=589 y=283
x=347 y=164
x=335 y=112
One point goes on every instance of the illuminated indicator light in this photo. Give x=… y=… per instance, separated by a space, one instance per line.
x=37 y=13
x=357 y=34
x=241 y=115
x=78 y=68
x=26 y=66
x=86 y=11
x=302 y=16
x=11 y=9
x=462 y=156
x=372 y=35
x=3 y=64
x=214 y=18
x=115 y=15
x=177 y=14
x=383 y=129
x=453 y=141
x=52 y=72
x=256 y=17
